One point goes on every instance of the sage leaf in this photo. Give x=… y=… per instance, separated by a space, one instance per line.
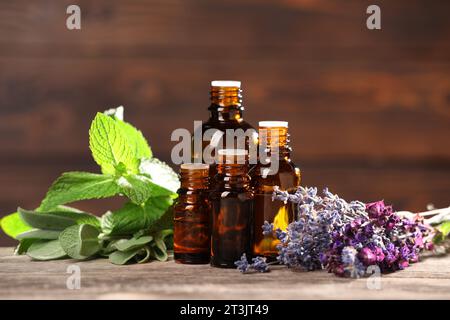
x=159 y=251
x=80 y=241
x=39 y=234
x=146 y=255
x=46 y=250
x=23 y=245
x=76 y=186
x=128 y=244
x=47 y=221
x=13 y=225
x=122 y=257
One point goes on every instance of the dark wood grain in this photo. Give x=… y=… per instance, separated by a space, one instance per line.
x=369 y=111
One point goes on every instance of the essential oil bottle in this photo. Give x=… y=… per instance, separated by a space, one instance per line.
x=226 y=112
x=192 y=216
x=232 y=209
x=274 y=138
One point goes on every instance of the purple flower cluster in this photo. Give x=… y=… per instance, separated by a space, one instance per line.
x=381 y=238
x=306 y=240
x=346 y=237
x=258 y=264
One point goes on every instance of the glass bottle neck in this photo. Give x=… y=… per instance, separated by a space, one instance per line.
x=275 y=140
x=194 y=179
x=233 y=176
x=226 y=104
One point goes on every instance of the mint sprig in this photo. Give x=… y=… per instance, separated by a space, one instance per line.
x=139 y=231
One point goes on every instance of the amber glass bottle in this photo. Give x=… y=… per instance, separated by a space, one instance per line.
x=192 y=216
x=274 y=138
x=226 y=112
x=232 y=209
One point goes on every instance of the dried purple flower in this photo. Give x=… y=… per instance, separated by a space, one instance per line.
x=242 y=264
x=267 y=228
x=259 y=264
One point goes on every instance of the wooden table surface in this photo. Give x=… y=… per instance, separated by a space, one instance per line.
x=22 y=278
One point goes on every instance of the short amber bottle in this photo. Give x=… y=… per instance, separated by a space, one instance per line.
x=226 y=113
x=192 y=216
x=232 y=209
x=274 y=140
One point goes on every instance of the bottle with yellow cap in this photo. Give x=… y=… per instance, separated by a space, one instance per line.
x=274 y=169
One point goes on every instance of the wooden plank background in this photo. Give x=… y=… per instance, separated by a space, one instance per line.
x=369 y=111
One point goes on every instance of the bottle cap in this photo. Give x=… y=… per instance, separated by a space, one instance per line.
x=232 y=152
x=195 y=166
x=273 y=124
x=225 y=83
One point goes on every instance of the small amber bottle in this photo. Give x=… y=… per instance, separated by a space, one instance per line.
x=274 y=140
x=192 y=216
x=232 y=209
x=226 y=112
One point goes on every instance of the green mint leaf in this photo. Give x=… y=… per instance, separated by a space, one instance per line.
x=76 y=186
x=136 y=139
x=80 y=241
x=128 y=244
x=122 y=257
x=39 y=234
x=46 y=250
x=13 y=225
x=161 y=175
x=137 y=188
x=131 y=217
x=47 y=221
x=110 y=146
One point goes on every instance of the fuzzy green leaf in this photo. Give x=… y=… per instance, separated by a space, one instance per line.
x=39 y=234
x=122 y=257
x=24 y=244
x=80 y=241
x=76 y=186
x=47 y=221
x=13 y=225
x=46 y=250
x=128 y=244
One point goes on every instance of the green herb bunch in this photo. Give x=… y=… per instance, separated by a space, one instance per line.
x=139 y=231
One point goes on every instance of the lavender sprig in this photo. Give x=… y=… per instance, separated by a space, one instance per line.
x=258 y=264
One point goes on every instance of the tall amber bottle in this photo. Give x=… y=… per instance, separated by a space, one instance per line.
x=274 y=138
x=232 y=209
x=192 y=216
x=226 y=112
